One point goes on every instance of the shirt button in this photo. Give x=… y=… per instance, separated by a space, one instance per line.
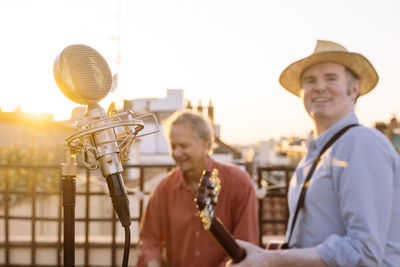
x=197 y=253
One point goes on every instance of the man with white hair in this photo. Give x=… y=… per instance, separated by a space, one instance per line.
x=345 y=193
x=171 y=231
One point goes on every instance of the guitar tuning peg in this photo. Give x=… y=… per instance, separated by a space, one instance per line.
x=205 y=218
x=214 y=200
x=217 y=186
x=215 y=173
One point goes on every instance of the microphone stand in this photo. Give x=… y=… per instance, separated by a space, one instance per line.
x=68 y=175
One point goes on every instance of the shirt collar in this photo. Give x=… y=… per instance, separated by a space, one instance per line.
x=181 y=182
x=320 y=141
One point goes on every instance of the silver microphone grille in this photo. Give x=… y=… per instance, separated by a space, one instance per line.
x=82 y=74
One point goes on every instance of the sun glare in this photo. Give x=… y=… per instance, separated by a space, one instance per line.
x=26 y=101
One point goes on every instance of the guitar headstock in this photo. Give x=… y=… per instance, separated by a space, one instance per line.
x=207 y=196
x=206 y=199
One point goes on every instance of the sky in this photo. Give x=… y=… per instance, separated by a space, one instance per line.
x=228 y=51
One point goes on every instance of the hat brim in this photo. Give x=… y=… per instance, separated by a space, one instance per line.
x=290 y=78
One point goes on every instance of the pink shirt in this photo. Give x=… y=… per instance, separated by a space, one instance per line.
x=172 y=218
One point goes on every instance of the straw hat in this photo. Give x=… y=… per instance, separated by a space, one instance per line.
x=327 y=51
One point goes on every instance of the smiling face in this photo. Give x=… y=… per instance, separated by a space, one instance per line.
x=329 y=93
x=189 y=152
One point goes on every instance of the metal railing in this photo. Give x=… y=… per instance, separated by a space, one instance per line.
x=272 y=207
x=10 y=195
x=33 y=191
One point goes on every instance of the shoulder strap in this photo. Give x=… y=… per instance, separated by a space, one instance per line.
x=310 y=173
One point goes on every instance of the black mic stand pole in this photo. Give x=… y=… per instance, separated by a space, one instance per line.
x=68 y=175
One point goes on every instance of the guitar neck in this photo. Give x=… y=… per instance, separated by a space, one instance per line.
x=226 y=240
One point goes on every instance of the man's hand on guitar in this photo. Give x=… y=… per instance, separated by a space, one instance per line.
x=258 y=257
x=254 y=256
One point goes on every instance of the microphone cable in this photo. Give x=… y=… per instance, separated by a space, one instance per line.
x=126 y=247
x=120 y=201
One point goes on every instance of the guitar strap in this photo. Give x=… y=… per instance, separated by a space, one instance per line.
x=306 y=183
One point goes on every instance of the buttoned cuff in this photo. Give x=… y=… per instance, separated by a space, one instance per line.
x=336 y=251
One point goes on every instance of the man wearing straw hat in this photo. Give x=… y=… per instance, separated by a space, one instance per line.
x=350 y=211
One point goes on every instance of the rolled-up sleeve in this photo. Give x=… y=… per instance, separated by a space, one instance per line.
x=365 y=193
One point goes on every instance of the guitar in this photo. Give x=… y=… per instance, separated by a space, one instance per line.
x=206 y=199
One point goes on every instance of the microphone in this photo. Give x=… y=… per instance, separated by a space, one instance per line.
x=84 y=77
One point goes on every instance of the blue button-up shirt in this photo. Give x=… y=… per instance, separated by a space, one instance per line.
x=351 y=212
